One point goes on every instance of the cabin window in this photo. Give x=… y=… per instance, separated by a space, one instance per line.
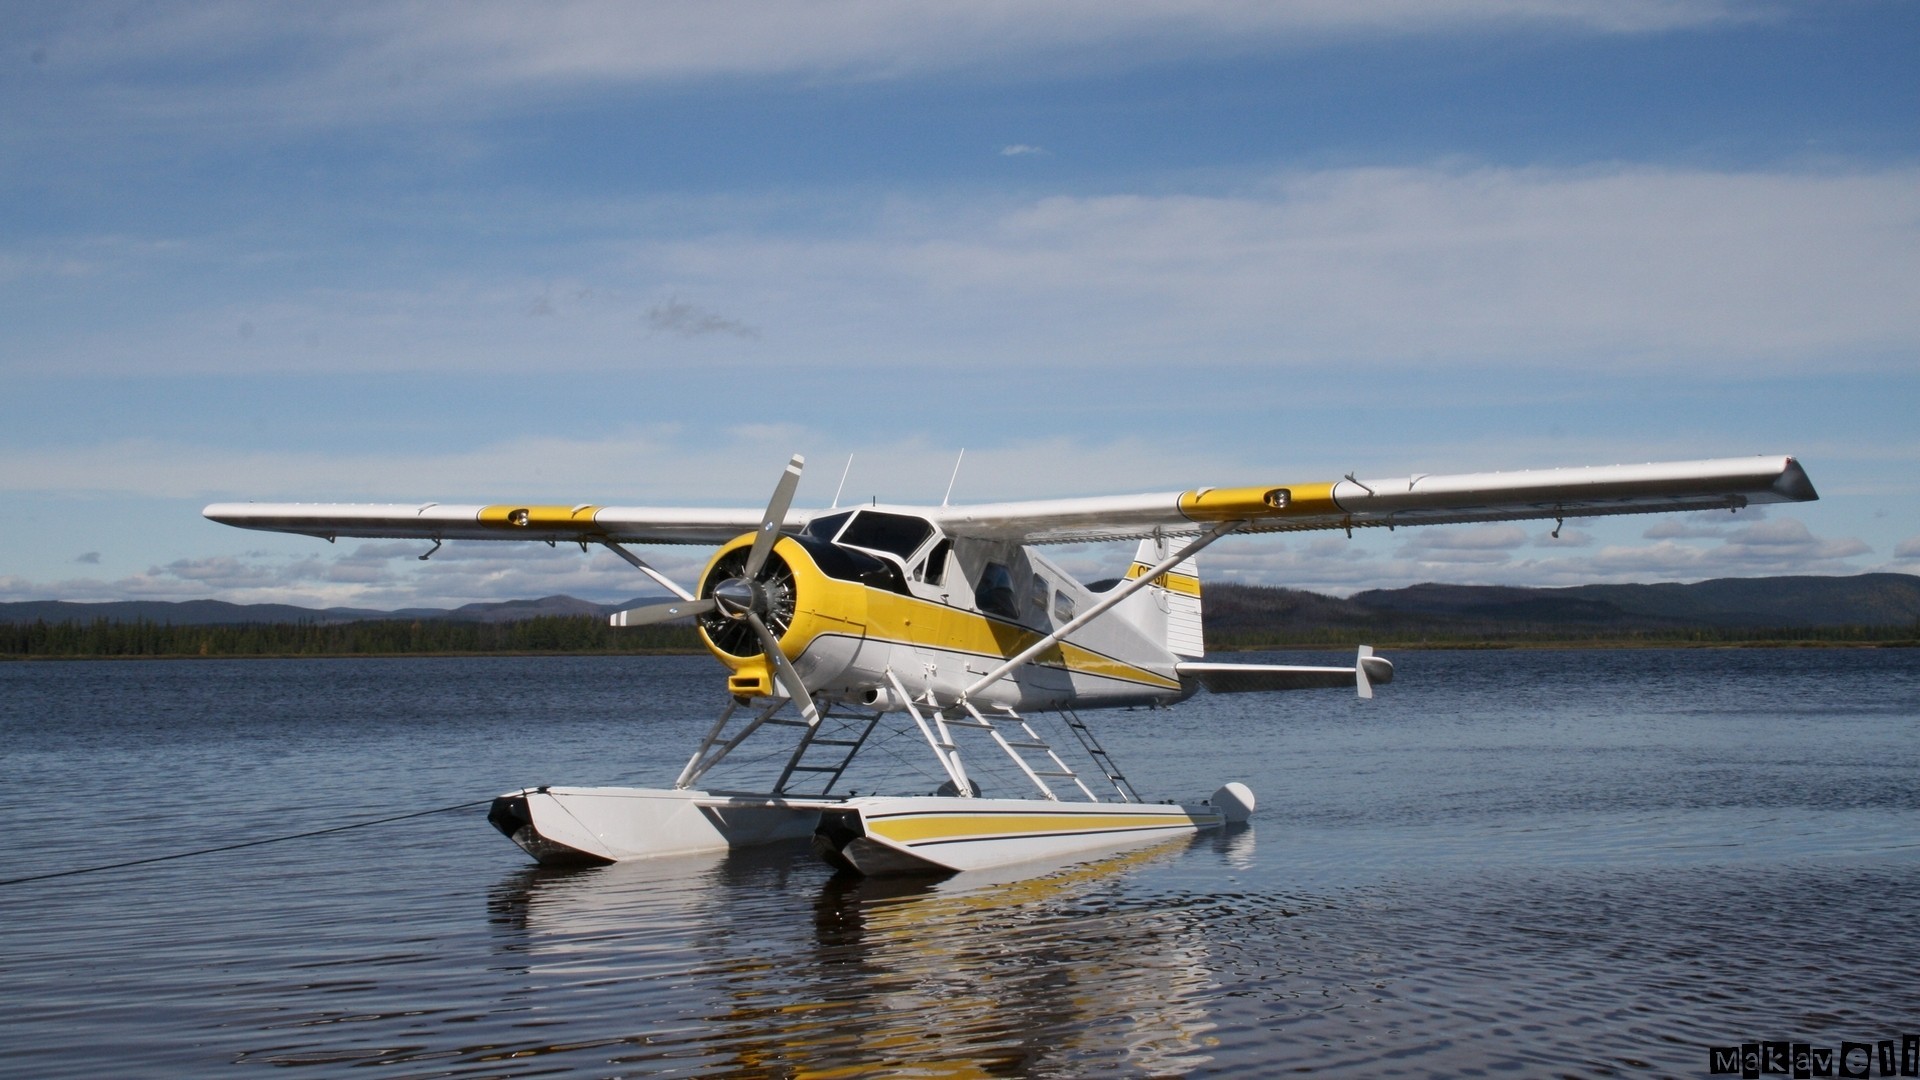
x=895 y=533
x=1037 y=596
x=1062 y=607
x=995 y=594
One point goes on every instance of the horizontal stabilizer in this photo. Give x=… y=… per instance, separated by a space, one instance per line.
x=1367 y=672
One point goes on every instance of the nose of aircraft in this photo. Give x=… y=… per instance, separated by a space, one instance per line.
x=737 y=597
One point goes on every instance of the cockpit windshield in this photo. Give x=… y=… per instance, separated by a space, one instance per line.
x=823 y=528
x=878 y=530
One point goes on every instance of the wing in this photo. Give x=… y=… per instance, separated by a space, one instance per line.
x=1726 y=483
x=1283 y=507
x=503 y=521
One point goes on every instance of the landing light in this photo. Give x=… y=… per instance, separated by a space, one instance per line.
x=1278 y=498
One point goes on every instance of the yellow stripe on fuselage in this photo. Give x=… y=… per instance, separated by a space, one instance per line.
x=828 y=606
x=925 y=828
x=1184 y=584
x=909 y=620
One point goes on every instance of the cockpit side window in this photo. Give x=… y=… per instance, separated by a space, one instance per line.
x=895 y=533
x=1037 y=597
x=995 y=594
x=934 y=570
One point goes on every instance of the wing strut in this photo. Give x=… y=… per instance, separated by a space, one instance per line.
x=641 y=565
x=1119 y=594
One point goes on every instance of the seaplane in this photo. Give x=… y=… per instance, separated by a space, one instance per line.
x=950 y=623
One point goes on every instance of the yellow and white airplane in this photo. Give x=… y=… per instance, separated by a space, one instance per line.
x=952 y=616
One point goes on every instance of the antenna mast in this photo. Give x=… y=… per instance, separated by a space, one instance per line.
x=954 y=477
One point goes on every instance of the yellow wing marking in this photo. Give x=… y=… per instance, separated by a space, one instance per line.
x=1259 y=503
x=544 y=518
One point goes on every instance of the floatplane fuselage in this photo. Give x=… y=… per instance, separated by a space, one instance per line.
x=952 y=616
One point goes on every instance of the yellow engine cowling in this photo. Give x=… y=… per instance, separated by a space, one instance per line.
x=807 y=605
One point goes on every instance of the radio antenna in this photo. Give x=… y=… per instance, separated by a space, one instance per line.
x=954 y=477
x=843 y=483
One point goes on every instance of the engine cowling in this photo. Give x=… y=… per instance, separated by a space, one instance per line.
x=800 y=605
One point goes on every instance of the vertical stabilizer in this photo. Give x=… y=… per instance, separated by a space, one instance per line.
x=1176 y=593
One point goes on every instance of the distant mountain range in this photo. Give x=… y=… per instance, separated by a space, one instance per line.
x=1777 y=602
x=1879 y=600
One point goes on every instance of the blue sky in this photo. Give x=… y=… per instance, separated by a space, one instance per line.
x=640 y=253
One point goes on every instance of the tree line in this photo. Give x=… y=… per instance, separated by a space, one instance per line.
x=571 y=634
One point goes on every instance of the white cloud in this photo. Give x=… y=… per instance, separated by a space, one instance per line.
x=1470 y=538
x=1908 y=548
x=1370 y=560
x=349 y=62
x=700 y=465
x=1704 y=526
x=1738 y=275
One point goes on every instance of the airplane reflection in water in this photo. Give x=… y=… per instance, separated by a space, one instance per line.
x=970 y=976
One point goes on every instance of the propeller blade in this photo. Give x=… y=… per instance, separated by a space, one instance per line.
x=796 y=686
x=659 y=613
x=776 y=516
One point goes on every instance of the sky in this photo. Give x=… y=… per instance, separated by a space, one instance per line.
x=640 y=253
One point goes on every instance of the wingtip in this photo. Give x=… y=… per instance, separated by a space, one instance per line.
x=1794 y=484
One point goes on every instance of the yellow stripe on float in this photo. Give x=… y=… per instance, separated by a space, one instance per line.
x=921 y=828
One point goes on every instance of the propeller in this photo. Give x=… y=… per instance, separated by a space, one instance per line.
x=745 y=595
x=790 y=679
x=763 y=539
x=659 y=613
x=775 y=516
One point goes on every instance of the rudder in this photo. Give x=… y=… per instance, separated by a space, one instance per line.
x=1176 y=593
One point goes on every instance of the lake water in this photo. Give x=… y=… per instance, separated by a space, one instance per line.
x=1508 y=864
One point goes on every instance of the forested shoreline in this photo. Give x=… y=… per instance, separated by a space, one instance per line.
x=570 y=635
x=584 y=635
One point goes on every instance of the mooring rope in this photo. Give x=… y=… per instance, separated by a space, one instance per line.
x=245 y=844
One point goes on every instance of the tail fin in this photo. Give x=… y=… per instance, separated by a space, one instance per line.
x=1176 y=593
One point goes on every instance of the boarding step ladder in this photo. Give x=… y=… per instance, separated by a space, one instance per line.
x=845 y=738
x=1033 y=754
x=1098 y=753
x=938 y=725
